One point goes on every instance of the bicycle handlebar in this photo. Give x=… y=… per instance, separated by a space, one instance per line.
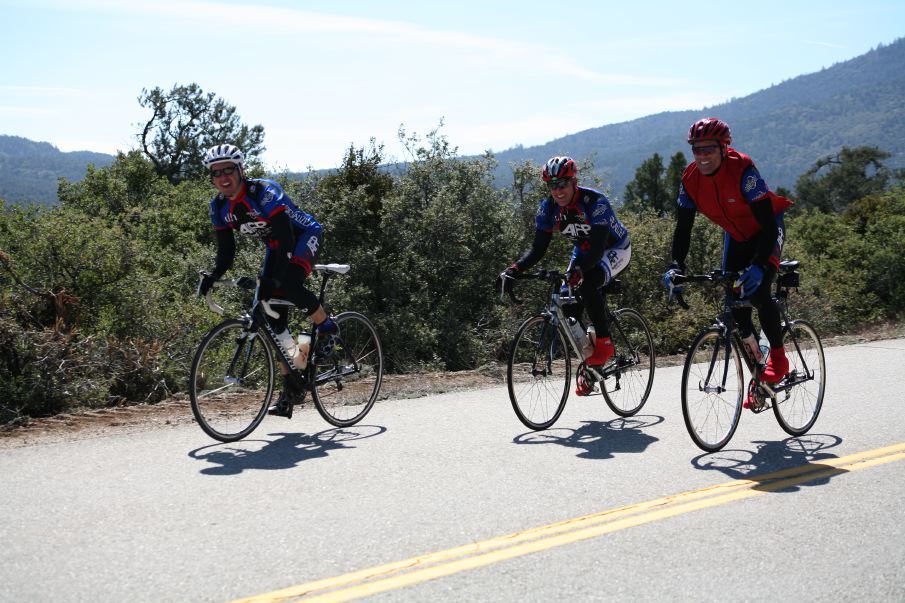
x=551 y=276
x=241 y=282
x=718 y=277
x=252 y=284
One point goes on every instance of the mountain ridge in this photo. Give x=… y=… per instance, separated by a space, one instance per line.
x=785 y=128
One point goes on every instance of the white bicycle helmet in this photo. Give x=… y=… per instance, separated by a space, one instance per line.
x=223 y=152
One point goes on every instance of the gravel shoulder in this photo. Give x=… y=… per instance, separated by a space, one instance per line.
x=176 y=411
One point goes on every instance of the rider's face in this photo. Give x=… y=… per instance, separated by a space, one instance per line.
x=227 y=184
x=708 y=154
x=562 y=193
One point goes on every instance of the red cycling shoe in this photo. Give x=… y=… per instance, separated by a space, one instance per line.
x=603 y=351
x=777 y=366
x=584 y=387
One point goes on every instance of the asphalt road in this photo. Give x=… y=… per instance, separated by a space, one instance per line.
x=450 y=498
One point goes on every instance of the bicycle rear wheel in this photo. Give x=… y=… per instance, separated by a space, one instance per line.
x=231 y=381
x=346 y=383
x=539 y=373
x=712 y=390
x=630 y=374
x=797 y=408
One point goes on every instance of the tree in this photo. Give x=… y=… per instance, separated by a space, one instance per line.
x=677 y=165
x=851 y=174
x=649 y=187
x=184 y=122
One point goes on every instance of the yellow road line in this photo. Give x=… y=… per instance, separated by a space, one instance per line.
x=430 y=566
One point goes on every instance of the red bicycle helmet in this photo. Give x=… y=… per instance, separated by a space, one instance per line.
x=710 y=128
x=560 y=168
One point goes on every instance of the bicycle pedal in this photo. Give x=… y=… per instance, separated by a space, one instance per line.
x=281 y=410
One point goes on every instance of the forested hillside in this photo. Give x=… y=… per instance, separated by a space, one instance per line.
x=97 y=304
x=29 y=170
x=785 y=128
x=97 y=294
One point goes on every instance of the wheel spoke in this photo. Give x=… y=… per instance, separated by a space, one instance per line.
x=347 y=384
x=627 y=387
x=712 y=391
x=231 y=381
x=538 y=373
x=796 y=408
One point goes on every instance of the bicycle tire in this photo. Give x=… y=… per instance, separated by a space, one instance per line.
x=796 y=409
x=711 y=407
x=345 y=383
x=627 y=387
x=231 y=381
x=532 y=391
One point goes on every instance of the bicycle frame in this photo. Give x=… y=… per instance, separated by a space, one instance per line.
x=553 y=312
x=256 y=316
x=725 y=322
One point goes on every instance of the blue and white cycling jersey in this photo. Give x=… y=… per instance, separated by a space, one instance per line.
x=590 y=208
x=252 y=212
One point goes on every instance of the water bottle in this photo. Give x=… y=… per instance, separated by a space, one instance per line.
x=764 y=347
x=581 y=338
x=291 y=348
x=301 y=361
x=753 y=348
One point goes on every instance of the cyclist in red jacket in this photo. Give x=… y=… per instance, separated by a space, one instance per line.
x=725 y=186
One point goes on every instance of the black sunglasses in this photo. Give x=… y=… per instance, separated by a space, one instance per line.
x=225 y=171
x=558 y=184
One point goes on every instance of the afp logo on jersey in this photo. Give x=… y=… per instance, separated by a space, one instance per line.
x=577 y=230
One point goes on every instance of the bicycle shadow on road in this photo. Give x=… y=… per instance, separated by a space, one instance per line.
x=804 y=453
x=284 y=452
x=599 y=439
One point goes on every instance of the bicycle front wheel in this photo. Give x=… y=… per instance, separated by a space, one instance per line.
x=231 y=381
x=346 y=382
x=797 y=408
x=712 y=390
x=539 y=373
x=630 y=374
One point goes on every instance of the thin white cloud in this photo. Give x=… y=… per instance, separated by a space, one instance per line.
x=825 y=44
x=490 y=50
x=25 y=111
x=46 y=91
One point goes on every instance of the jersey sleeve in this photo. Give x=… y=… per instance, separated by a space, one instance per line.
x=273 y=200
x=685 y=199
x=544 y=218
x=216 y=218
x=753 y=186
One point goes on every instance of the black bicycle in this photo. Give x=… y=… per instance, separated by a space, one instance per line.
x=233 y=372
x=540 y=365
x=713 y=388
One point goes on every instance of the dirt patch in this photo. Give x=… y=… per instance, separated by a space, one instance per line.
x=176 y=411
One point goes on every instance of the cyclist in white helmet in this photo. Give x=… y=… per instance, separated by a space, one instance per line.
x=259 y=208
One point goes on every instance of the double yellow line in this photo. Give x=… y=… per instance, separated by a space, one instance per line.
x=408 y=572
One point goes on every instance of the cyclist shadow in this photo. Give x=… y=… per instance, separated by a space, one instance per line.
x=284 y=452
x=599 y=439
x=802 y=454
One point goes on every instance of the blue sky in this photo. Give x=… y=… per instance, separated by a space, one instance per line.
x=321 y=76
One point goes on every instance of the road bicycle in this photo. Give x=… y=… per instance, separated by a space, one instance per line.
x=713 y=388
x=539 y=372
x=233 y=373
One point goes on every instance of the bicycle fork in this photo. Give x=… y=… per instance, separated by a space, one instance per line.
x=244 y=350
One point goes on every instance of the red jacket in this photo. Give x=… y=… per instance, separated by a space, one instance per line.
x=720 y=196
